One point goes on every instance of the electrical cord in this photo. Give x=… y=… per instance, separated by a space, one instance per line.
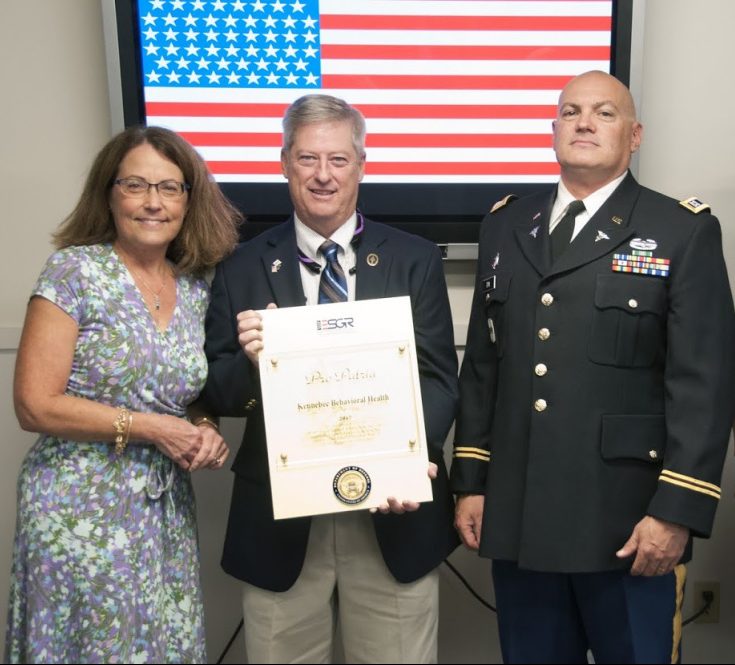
x=707 y=597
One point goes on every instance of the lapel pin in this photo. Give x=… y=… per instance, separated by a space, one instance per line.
x=534 y=231
x=536 y=216
x=617 y=220
x=495 y=262
x=601 y=235
x=276 y=265
x=372 y=260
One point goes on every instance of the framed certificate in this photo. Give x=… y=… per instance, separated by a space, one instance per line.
x=342 y=404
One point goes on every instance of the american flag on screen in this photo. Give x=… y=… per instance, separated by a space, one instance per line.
x=452 y=90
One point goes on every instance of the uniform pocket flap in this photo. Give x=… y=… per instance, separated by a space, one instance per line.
x=632 y=294
x=639 y=437
x=495 y=286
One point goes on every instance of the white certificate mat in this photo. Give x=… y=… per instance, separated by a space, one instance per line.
x=342 y=404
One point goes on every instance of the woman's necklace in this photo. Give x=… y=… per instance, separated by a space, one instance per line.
x=156 y=294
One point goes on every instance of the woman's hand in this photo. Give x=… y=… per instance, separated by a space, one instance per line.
x=214 y=451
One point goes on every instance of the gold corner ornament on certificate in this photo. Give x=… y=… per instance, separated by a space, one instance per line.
x=342 y=405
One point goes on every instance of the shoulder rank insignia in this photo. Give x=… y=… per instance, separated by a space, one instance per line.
x=693 y=204
x=503 y=202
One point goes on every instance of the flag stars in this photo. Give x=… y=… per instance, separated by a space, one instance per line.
x=173 y=77
x=309 y=22
x=272 y=78
x=290 y=36
x=242 y=64
x=182 y=63
x=169 y=20
x=262 y=64
x=233 y=78
x=177 y=5
x=290 y=51
x=162 y=63
x=258 y=6
x=202 y=63
x=214 y=77
x=190 y=35
x=212 y=50
x=170 y=35
x=154 y=77
x=253 y=78
x=292 y=79
x=252 y=51
x=211 y=35
x=310 y=52
x=192 y=50
x=210 y=21
x=150 y=34
x=289 y=22
x=278 y=6
x=310 y=36
x=218 y=6
x=172 y=50
x=223 y=64
x=271 y=51
x=231 y=51
x=190 y=20
x=230 y=35
x=157 y=4
x=250 y=21
x=238 y=6
x=149 y=19
x=297 y=6
x=151 y=49
x=251 y=36
x=269 y=22
x=270 y=36
x=197 y=6
x=311 y=79
x=230 y=21
x=194 y=77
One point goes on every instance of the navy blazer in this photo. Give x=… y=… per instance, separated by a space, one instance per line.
x=269 y=553
x=599 y=396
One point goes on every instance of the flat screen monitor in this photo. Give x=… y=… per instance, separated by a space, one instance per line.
x=458 y=95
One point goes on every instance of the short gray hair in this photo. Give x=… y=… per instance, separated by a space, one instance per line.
x=311 y=109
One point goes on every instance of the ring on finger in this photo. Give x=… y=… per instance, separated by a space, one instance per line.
x=217 y=460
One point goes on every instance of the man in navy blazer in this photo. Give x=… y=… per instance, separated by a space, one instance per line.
x=596 y=397
x=375 y=574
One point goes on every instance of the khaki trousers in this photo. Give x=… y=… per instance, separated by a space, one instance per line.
x=345 y=580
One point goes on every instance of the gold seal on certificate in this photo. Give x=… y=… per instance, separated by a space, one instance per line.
x=351 y=485
x=341 y=394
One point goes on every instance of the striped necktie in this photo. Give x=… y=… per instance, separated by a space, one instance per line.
x=332 y=285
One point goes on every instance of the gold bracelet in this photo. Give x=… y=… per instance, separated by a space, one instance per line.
x=206 y=421
x=122 y=429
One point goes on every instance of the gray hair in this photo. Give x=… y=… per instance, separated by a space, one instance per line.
x=311 y=109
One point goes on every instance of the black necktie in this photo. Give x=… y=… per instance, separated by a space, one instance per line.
x=332 y=285
x=562 y=233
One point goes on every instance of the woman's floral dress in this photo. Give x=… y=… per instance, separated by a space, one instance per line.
x=106 y=559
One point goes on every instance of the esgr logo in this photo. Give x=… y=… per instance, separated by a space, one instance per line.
x=335 y=324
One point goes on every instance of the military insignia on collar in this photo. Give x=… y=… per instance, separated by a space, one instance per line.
x=601 y=235
x=639 y=243
x=617 y=220
x=534 y=231
x=496 y=261
x=536 y=216
x=693 y=204
x=276 y=265
x=503 y=202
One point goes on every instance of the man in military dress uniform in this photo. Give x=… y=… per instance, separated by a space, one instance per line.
x=596 y=397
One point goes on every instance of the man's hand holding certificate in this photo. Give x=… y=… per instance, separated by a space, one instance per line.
x=342 y=404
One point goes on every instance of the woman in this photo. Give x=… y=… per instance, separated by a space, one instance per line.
x=106 y=563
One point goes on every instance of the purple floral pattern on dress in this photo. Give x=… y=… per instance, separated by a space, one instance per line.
x=106 y=558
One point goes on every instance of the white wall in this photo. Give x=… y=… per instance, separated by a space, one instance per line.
x=55 y=116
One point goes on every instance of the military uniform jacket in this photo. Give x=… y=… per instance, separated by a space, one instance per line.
x=591 y=397
x=269 y=553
